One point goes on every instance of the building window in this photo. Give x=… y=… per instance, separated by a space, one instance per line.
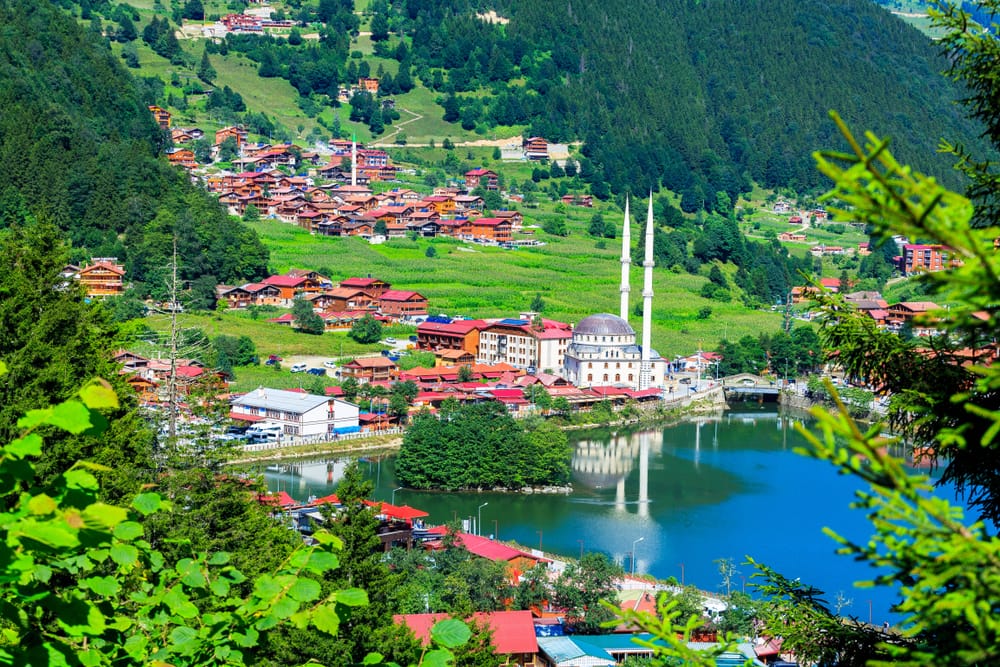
x=618 y=378
x=590 y=377
x=630 y=377
x=605 y=377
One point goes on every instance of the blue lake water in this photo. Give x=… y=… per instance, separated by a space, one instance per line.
x=685 y=496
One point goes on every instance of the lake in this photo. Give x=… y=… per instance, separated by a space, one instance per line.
x=684 y=496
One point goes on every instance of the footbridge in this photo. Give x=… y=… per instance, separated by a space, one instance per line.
x=747 y=386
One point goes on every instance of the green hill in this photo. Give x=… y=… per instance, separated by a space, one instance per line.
x=79 y=147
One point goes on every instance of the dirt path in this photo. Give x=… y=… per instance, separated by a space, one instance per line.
x=387 y=139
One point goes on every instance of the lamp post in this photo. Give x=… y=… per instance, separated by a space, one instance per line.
x=393 y=501
x=479 y=519
x=682 y=573
x=635 y=542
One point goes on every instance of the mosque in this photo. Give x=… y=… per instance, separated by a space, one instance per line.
x=603 y=352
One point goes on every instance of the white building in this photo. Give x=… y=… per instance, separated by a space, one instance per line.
x=299 y=414
x=527 y=342
x=604 y=352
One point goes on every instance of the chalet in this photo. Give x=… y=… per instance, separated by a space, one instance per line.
x=299 y=414
x=795 y=220
x=366 y=370
x=292 y=286
x=183 y=157
x=907 y=311
x=237 y=133
x=363 y=228
x=516 y=561
x=792 y=237
x=515 y=218
x=450 y=227
x=145 y=389
x=864 y=249
x=468 y=202
x=371 y=157
x=373 y=286
x=253 y=294
x=310 y=220
x=427 y=228
x=442 y=204
x=161 y=116
x=400 y=304
x=454 y=358
x=586 y=201
x=487 y=229
x=105 y=277
x=368 y=85
x=820 y=250
x=536 y=148
x=484 y=178
x=781 y=206
x=180 y=136
x=335 y=320
x=512 y=633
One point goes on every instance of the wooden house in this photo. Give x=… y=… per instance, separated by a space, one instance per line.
x=370 y=369
x=484 y=178
x=105 y=277
x=400 y=304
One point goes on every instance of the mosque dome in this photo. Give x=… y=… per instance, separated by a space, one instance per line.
x=603 y=324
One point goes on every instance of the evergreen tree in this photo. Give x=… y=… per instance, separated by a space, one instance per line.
x=205 y=70
x=306 y=319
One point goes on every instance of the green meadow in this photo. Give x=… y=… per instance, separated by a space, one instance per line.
x=572 y=275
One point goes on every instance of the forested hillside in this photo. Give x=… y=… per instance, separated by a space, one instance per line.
x=78 y=147
x=699 y=97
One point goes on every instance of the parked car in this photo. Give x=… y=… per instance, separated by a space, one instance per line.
x=298 y=368
x=330 y=363
x=390 y=341
x=316 y=371
x=273 y=360
x=685 y=380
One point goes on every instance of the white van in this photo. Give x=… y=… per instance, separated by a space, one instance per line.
x=263 y=433
x=298 y=368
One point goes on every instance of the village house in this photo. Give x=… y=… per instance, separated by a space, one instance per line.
x=161 y=116
x=586 y=201
x=251 y=294
x=497 y=230
x=792 y=236
x=536 y=148
x=182 y=156
x=373 y=286
x=292 y=285
x=460 y=335
x=444 y=205
x=105 y=277
x=514 y=217
x=401 y=305
x=337 y=320
x=368 y=85
x=484 y=178
x=466 y=203
x=915 y=314
x=344 y=299
x=237 y=133
x=365 y=370
x=512 y=633
x=528 y=342
x=300 y=414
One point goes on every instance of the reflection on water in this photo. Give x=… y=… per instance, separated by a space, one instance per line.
x=670 y=501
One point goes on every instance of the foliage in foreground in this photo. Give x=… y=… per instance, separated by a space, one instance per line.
x=80 y=585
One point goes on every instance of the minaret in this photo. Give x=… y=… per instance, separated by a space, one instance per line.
x=645 y=367
x=354 y=160
x=626 y=262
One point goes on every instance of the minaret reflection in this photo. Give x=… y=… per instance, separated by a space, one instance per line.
x=608 y=462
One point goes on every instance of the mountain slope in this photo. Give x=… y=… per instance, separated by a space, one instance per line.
x=78 y=147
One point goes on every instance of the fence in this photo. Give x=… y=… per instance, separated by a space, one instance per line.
x=286 y=442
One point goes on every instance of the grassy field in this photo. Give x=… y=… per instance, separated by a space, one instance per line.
x=574 y=278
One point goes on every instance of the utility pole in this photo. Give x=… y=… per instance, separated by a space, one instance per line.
x=172 y=386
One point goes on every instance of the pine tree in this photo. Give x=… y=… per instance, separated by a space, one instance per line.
x=205 y=70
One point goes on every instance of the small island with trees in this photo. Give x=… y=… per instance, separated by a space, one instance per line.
x=480 y=446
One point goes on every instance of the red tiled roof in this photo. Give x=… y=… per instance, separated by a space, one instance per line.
x=461 y=327
x=400 y=295
x=485 y=547
x=513 y=631
x=284 y=281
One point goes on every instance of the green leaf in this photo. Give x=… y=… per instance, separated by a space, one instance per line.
x=124 y=554
x=190 y=573
x=33 y=418
x=437 y=658
x=42 y=504
x=98 y=394
x=352 y=597
x=50 y=533
x=373 y=659
x=106 y=586
x=128 y=531
x=219 y=558
x=326 y=620
x=147 y=503
x=80 y=479
x=450 y=632
x=322 y=561
x=178 y=603
x=304 y=590
x=104 y=516
x=29 y=445
x=72 y=416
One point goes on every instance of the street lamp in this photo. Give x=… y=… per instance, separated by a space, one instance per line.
x=393 y=501
x=635 y=542
x=479 y=519
x=682 y=573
